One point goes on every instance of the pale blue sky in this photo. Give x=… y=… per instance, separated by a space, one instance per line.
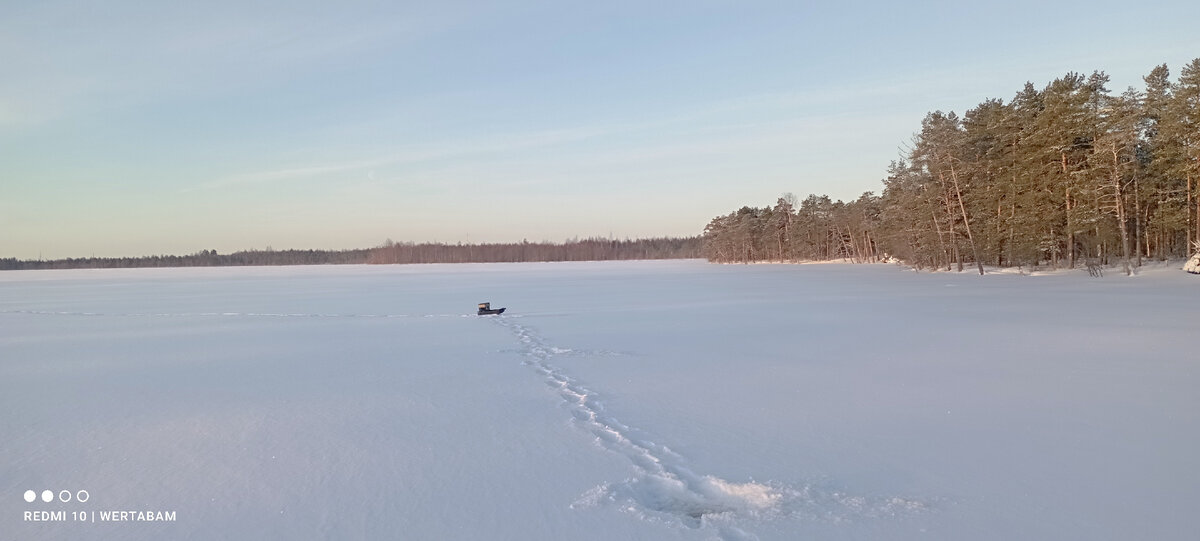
x=134 y=128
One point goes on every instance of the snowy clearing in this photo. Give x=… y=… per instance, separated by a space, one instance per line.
x=631 y=400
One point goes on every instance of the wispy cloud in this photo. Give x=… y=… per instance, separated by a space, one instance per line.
x=756 y=127
x=282 y=175
x=449 y=150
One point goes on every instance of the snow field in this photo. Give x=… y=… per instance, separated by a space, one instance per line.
x=638 y=400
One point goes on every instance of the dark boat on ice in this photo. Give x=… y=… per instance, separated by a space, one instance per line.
x=485 y=309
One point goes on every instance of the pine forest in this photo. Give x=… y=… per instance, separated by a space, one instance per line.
x=1069 y=175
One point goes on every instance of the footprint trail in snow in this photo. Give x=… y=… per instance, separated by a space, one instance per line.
x=665 y=490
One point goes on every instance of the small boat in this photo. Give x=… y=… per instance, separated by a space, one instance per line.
x=485 y=309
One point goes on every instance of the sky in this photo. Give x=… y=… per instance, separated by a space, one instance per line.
x=139 y=128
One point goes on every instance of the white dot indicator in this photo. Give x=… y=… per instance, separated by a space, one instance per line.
x=30 y=496
x=47 y=496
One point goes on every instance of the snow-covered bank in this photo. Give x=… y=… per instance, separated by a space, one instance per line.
x=649 y=400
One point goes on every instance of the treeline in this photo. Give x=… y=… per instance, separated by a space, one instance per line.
x=203 y=258
x=575 y=250
x=592 y=249
x=815 y=229
x=1067 y=174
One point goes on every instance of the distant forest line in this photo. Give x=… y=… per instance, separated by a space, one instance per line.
x=1069 y=174
x=593 y=249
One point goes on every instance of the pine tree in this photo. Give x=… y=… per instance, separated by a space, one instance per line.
x=1114 y=162
x=1184 y=112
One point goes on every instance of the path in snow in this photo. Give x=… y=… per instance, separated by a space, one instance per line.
x=664 y=489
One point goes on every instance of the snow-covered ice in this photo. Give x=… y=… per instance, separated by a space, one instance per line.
x=631 y=400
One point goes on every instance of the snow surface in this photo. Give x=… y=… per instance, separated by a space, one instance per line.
x=633 y=400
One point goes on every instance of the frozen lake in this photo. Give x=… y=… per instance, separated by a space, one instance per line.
x=632 y=400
